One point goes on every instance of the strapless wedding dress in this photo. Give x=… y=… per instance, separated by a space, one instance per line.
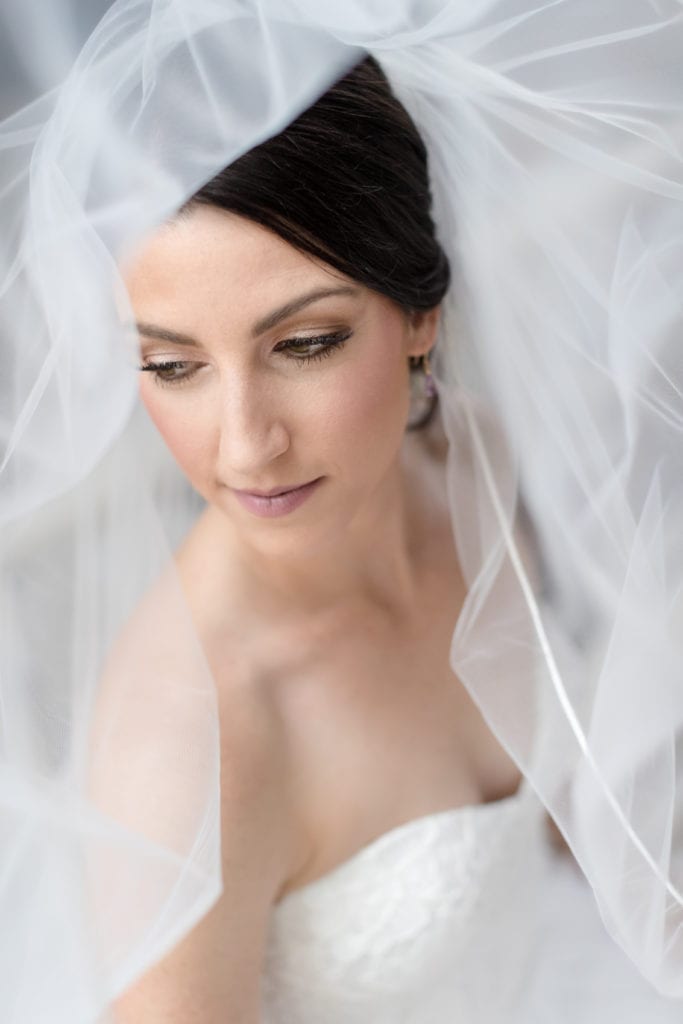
x=468 y=916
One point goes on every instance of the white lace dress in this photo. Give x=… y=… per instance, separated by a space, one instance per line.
x=468 y=915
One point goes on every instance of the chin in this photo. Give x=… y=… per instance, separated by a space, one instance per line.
x=301 y=535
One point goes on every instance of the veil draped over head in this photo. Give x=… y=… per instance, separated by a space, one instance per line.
x=555 y=139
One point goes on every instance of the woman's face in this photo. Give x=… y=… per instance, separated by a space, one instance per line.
x=265 y=370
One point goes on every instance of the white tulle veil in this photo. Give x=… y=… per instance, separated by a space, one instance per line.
x=555 y=137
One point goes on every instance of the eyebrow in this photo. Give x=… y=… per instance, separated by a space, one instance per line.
x=267 y=322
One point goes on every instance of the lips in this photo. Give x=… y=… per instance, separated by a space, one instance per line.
x=279 y=501
x=274 y=491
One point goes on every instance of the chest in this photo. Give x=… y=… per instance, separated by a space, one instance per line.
x=383 y=731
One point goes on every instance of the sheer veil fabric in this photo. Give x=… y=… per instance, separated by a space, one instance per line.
x=555 y=136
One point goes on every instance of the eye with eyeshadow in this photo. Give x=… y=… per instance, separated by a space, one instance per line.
x=172 y=371
x=306 y=350
x=302 y=350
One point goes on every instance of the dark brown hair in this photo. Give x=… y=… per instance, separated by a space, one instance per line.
x=346 y=181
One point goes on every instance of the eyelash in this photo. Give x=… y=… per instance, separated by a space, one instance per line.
x=326 y=344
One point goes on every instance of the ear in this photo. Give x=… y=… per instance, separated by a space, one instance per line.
x=423 y=325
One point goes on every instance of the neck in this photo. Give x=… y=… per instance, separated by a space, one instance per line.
x=373 y=563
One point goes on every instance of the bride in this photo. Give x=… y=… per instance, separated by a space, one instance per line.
x=322 y=577
x=283 y=315
x=341 y=501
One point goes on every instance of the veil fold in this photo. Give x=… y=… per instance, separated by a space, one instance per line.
x=555 y=139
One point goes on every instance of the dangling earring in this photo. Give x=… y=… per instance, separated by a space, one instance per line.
x=429 y=382
x=424 y=394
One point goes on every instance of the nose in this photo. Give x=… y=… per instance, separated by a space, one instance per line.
x=253 y=433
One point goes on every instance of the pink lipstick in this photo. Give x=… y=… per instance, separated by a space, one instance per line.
x=278 y=502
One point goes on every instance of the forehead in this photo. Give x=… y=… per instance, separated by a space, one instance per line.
x=209 y=254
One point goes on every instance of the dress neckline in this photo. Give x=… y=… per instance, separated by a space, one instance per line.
x=370 y=848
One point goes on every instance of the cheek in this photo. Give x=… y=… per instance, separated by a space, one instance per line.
x=185 y=428
x=367 y=404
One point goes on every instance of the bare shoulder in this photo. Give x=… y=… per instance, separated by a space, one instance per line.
x=177 y=690
x=178 y=725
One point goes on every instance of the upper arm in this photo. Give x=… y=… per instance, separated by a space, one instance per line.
x=158 y=762
x=213 y=975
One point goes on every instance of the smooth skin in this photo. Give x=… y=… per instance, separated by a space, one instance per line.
x=327 y=630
